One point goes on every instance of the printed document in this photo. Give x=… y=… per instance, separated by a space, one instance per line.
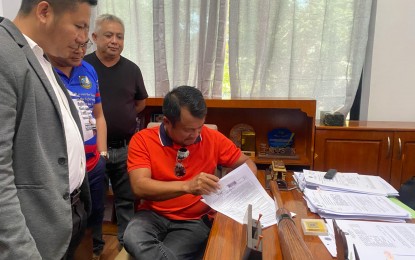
x=379 y=240
x=239 y=188
x=342 y=205
x=352 y=182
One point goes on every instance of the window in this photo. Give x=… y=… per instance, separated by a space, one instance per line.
x=243 y=48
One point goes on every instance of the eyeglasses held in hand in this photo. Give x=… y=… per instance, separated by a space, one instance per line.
x=179 y=169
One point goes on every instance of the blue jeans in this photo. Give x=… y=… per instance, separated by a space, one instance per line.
x=151 y=236
x=96 y=178
x=116 y=171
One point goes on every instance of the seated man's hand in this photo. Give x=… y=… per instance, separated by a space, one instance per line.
x=203 y=183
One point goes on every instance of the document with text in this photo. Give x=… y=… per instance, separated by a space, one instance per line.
x=342 y=205
x=239 y=188
x=379 y=240
x=347 y=182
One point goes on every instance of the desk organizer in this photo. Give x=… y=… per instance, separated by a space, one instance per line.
x=253 y=230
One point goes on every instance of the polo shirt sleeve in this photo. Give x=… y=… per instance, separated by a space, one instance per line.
x=228 y=153
x=97 y=93
x=138 y=156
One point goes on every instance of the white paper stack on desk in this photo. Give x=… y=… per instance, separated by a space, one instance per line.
x=342 y=205
x=345 y=182
x=350 y=196
x=377 y=240
x=353 y=196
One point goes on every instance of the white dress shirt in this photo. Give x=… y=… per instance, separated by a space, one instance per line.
x=74 y=142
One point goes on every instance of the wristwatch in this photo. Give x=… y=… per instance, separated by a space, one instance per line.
x=104 y=154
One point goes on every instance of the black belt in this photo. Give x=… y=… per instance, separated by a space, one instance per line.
x=75 y=196
x=118 y=143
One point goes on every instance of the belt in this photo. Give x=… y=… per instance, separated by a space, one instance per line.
x=118 y=143
x=75 y=196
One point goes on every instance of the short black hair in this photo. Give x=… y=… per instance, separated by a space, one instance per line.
x=187 y=97
x=58 y=5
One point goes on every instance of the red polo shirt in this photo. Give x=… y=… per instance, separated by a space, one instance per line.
x=151 y=148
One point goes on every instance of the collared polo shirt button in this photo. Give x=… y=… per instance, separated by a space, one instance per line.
x=62 y=161
x=66 y=196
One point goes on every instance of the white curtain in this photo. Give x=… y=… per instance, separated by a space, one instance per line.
x=277 y=48
x=178 y=42
x=298 y=48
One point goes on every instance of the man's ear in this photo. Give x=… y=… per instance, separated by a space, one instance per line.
x=44 y=11
x=94 y=37
x=166 y=121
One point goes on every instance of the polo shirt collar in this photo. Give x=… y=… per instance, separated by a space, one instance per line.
x=166 y=140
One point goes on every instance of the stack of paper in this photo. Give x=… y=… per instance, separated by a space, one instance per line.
x=353 y=196
x=374 y=240
x=346 y=205
x=345 y=182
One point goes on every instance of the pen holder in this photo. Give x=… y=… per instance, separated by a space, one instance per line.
x=253 y=230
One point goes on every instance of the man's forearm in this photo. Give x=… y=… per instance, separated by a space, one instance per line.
x=101 y=135
x=158 y=190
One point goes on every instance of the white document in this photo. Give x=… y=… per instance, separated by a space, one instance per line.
x=353 y=182
x=342 y=205
x=329 y=240
x=239 y=188
x=379 y=240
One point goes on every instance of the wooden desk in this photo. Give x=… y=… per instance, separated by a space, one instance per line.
x=226 y=238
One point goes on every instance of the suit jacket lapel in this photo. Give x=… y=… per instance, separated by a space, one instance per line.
x=74 y=110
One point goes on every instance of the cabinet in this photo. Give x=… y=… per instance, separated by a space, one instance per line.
x=263 y=114
x=386 y=149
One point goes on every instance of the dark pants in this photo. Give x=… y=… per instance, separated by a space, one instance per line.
x=123 y=196
x=79 y=221
x=151 y=236
x=96 y=178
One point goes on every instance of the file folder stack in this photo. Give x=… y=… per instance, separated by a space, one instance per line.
x=350 y=196
x=345 y=182
x=342 y=205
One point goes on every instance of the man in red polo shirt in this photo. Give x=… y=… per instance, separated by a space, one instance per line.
x=170 y=167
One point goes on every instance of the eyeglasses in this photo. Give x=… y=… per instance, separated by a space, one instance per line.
x=179 y=169
x=85 y=45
